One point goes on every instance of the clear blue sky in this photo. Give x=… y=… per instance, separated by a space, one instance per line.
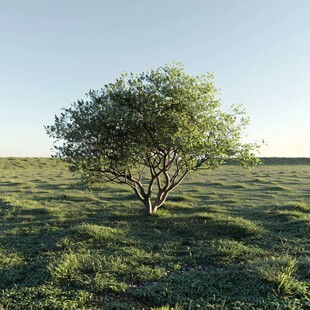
x=53 y=51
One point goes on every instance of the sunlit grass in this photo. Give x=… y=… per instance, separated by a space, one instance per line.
x=230 y=239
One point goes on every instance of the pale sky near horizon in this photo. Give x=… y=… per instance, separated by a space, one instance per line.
x=52 y=52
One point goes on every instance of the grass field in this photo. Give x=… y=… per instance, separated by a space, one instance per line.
x=231 y=239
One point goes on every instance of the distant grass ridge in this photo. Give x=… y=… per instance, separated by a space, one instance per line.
x=285 y=160
x=230 y=239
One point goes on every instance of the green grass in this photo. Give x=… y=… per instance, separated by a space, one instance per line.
x=230 y=239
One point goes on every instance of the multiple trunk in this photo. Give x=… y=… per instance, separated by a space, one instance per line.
x=151 y=208
x=166 y=171
x=163 y=183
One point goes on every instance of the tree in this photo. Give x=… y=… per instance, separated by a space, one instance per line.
x=149 y=131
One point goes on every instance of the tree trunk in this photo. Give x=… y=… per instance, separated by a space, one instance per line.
x=148 y=208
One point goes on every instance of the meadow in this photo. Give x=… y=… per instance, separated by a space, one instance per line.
x=229 y=239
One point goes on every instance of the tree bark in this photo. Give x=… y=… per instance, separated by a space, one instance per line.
x=151 y=208
x=148 y=208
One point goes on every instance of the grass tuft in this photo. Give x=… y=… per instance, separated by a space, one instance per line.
x=95 y=233
x=235 y=227
x=281 y=271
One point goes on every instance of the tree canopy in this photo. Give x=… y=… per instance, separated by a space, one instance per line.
x=150 y=130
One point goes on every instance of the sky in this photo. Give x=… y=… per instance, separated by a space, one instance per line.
x=52 y=52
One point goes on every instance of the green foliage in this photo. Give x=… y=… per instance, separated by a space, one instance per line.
x=150 y=130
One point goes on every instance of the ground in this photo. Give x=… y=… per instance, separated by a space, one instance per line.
x=230 y=239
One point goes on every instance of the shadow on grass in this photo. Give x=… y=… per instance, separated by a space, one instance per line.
x=49 y=186
x=34 y=231
x=9 y=184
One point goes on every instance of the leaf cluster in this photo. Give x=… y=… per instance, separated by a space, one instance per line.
x=141 y=120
